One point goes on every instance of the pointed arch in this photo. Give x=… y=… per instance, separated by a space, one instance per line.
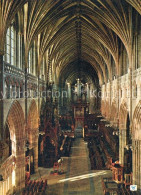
x=33 y=133
x=16 y=123
x=136 y=142
x=136 y=122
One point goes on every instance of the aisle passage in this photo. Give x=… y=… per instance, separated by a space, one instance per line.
x=78 y=179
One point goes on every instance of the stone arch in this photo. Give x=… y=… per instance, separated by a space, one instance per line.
x=136 y=144
x=124 y=131
x=32 y=129
x=16 y=124
x=136 y=122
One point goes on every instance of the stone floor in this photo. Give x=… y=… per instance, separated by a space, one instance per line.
x=78 y=178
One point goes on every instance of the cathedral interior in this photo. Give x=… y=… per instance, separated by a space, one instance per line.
x=70 y=97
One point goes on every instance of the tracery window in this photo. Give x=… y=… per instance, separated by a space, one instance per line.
x=10 y=47
x=29 y=60
x=19 y=51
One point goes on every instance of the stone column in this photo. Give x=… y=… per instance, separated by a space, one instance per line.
x=1 y=95
x=39 y=95
x=130 y=93
x=122 y=144
x=36 y=157
x=35 y=149
x=136 y=163
x=26 y=94
x=20 y=165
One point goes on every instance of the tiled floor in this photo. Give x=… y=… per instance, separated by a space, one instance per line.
x=78 y=178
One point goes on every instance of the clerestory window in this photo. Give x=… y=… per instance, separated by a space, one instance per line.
x=10 y=47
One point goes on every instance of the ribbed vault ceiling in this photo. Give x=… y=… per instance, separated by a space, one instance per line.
x=75 y=31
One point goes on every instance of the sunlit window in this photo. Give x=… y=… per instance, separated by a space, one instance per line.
x=10 y=47
x=19 y=51
x=30 y=61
